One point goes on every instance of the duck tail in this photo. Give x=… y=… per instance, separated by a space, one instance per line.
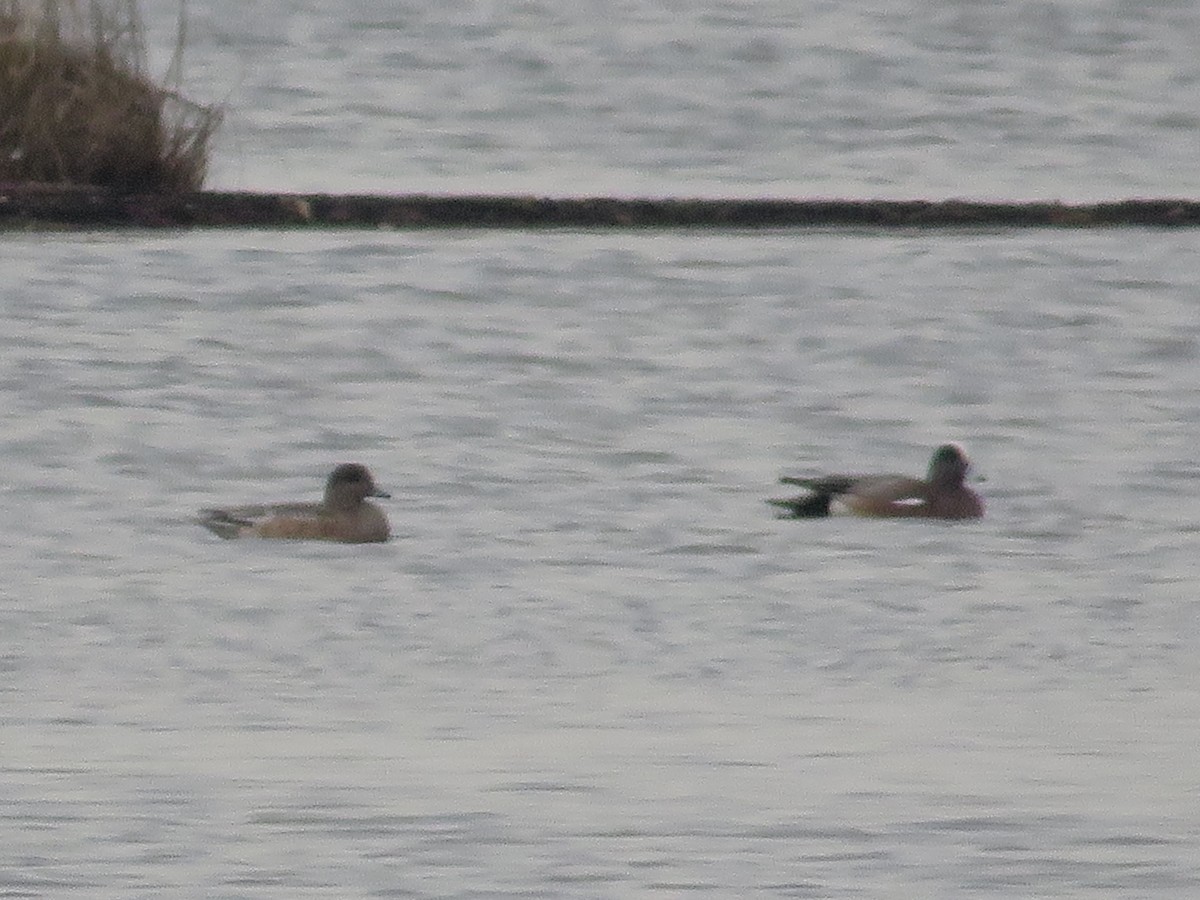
x=808 y=506
x=221 y=522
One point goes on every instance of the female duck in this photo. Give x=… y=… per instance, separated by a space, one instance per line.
x=343 y=515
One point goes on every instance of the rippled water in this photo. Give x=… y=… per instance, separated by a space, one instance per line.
x=591 y=663
x=1039 y=99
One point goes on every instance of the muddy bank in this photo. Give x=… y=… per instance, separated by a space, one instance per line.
x=34 y=207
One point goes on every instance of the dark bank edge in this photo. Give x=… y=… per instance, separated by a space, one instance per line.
x=51 y=207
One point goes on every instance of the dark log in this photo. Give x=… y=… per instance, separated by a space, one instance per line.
x=50 y=206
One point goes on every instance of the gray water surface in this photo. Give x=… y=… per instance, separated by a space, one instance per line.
x=591 y=663
x=1040 y=99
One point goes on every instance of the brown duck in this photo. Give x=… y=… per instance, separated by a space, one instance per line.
x=942 y=494
x=343 y=515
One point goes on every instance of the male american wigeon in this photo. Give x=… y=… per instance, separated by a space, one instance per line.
x=941 y=495
x=344 y=515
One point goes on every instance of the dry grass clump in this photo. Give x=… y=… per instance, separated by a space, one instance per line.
x=76 y=106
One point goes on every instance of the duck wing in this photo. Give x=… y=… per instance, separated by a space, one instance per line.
x=879 y=495
x=239 y=521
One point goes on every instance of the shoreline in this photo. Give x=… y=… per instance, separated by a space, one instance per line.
x=50 y=207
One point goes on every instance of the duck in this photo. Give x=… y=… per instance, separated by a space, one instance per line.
x=344 y=514
x=942 y=494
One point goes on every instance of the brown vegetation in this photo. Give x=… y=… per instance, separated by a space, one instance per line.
x=76 y=106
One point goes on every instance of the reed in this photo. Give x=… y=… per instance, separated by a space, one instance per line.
x=77 y=106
